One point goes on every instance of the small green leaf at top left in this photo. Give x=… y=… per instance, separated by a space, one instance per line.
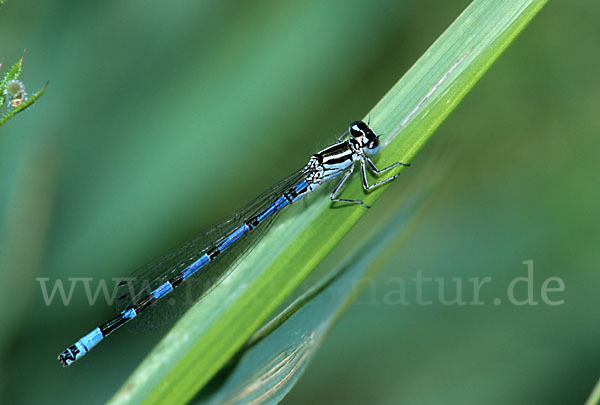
x=13 y=93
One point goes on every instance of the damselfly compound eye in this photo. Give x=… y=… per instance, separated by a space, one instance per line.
x=358 y=129
x=372 y=146
x=373 y=143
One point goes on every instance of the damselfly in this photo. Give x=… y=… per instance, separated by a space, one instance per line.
x=204 y=261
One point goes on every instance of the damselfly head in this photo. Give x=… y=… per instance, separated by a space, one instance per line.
x=367 y=138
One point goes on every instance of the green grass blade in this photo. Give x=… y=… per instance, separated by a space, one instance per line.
x=206 y=337
x=272 y=361
x=594 y=398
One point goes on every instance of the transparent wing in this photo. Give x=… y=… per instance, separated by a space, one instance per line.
x=163 y=268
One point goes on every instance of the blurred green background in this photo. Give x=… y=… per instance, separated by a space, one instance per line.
x=161 y=117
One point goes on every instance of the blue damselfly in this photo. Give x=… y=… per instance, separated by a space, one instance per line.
x=204 y=261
